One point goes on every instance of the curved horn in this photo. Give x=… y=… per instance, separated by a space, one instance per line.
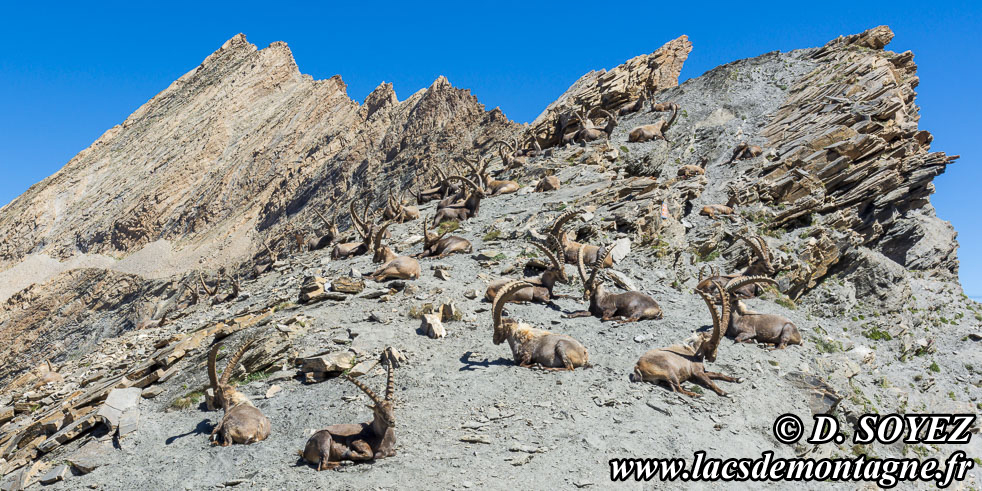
x=741 y=281
x=708 y=348
x=498 y=304
x=599 y=263
x=465 y=180
x=359 y=226
x=369 y=392
x=609 y=115
x=377 y=243
x=470 y=163
x=321 y=216
x=765 y=252
x=234 y=361
x=675 y=114
x=561 y=220
x=552 y=258
x=754 y=245
x=213 y=365
x=390 y=383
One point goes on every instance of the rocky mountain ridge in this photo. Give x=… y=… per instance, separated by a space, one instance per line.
x=219 y=169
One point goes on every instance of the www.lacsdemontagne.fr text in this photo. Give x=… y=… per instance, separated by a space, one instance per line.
x=886 y=473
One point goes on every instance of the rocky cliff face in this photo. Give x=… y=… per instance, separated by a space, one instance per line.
x=244 y=148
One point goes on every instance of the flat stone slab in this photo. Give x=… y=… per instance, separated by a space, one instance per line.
x=56 y=474
x=90 y=457
x=118 y=402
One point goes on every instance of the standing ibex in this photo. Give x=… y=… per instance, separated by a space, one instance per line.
x=493 y=186
x=681 y=362
x=760 y=265
x=243 y=422
x=745 y=151
x=654 y=131
x=357 y=442
x=439 y=246
x=531 y=346
x=570 y=247
x=746 y=326
x=541 y=289
x=463 y=211
x=393 y=266
x=622 y=307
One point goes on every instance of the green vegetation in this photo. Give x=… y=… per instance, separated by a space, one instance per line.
x=876 y=334
x=934 y=367
x=492 y=235
x=448 y=226
x=189 y=400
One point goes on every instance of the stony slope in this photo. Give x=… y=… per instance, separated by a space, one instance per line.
x=868 y=269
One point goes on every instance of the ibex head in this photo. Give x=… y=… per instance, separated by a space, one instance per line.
x=226 y=395
x=502 y=326
x=759 y=246
x=556 y=229
x=384 y=409
x=596 y=279
x=557 y=258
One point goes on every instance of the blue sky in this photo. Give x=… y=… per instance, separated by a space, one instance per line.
x=69 y=72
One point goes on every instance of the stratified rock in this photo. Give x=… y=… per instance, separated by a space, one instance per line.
x=312 y=289
x=351 y=286
x=879 y=281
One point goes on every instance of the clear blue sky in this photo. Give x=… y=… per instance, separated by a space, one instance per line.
x=69 y=72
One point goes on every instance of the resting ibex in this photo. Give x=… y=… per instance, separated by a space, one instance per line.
x=746 y=326
x=493 y=186
x=712 y=211
x=531 y=346
x=243 y=422
x=510 y=160
x=321 y=241
x=635 y=106
x=547 y=183
x=590 y=133
x=393 y=266
x=397 y=212
x=657 y=130
x=439 y=246
x=681 y=362
x=463 y=211
x=541 y=289
x=357 y=442
x=351 y=249
x=690 y=170
x=745 y=151
x=622 y=307
x=571 y=248
x=760 y=265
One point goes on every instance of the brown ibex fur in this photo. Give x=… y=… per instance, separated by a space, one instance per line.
x=571 y=248
x=243 y=422
x=745 y=151
x=712 y=211
x=439 y=246
x=462 y=211
x=547 y=183
x=493 y=186
x=510 y=160
x=363 y=442
x=541 y=289
x=681 y=362
x=393 y=266
x=590 y=133
x=633 y=107
x=319 y=242
x=760 y=265
x=654 y=131
x=622 y=307
x=397 y=212
x=746 y=326
x=531 y=346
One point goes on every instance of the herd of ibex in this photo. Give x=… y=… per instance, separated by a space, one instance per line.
x=459 y=197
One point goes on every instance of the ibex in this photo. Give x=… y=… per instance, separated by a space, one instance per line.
x=351 y=249
x=745 y=151
x=463 y=211
x=712 y=211
x=622 y=307
x=635 y=106
x=397 y=212
x=439 y=246
x=760 y=265
x=654 y=131
x=321 y=241
x=547 y=183
x=243 y=422
x=510 y=160
x=690 y=170
x=531 y=346
x=746 y=326
x=393 y=266
x=681 y=362
x=590 y=133
x=357 y=442
x=571 y=248
x=541 y=289
x=493 y=186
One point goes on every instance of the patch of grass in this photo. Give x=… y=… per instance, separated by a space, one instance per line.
x=284 y=305
x=709 y=257
x=934 y=367
x=951 y=395
x=697 y=390
x=448 y=226
x=417 y=313
x=785 y=302
x=189 y=400
x=876 y=334
x=252 y=377
x=492 y=235
x=826 y=345
x=624 y=149
x=500 y=257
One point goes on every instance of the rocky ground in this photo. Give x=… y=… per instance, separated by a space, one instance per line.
x=886 y=327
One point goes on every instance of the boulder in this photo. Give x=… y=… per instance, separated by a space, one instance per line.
x=432 y=326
